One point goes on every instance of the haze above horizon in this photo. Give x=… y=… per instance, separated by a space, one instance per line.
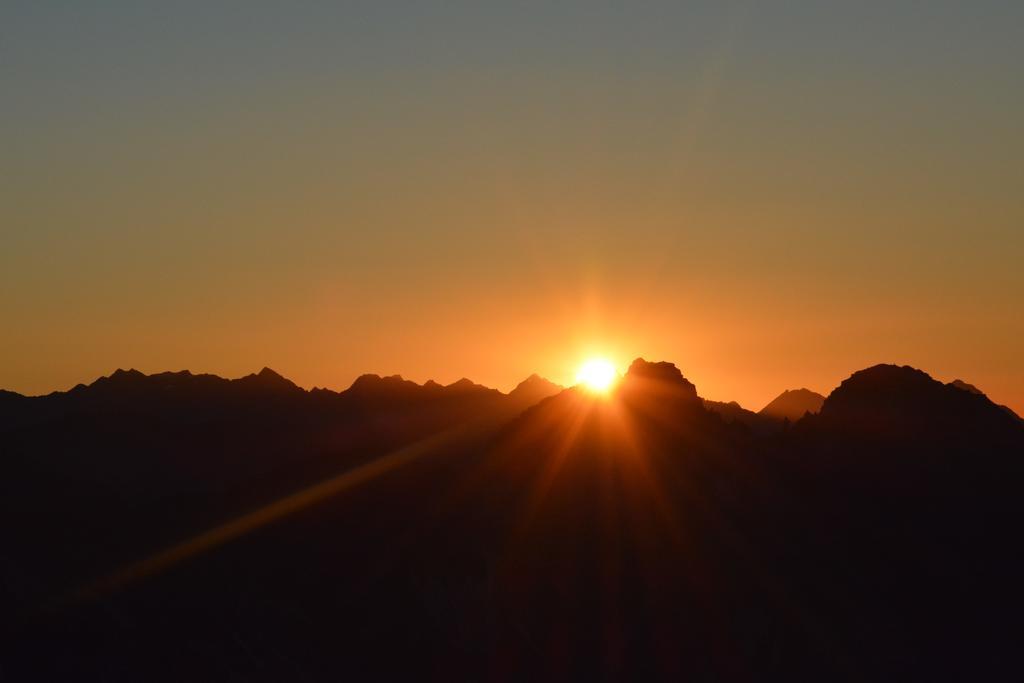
x=770 y=197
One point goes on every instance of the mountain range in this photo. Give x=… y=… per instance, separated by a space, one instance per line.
x=178 y=526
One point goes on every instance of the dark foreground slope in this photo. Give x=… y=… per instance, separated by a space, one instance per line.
x=640 y=537
x=100 y=475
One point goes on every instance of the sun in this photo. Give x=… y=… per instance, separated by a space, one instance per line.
x=596 y=375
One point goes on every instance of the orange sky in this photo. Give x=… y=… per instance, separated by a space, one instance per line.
x=770 y=201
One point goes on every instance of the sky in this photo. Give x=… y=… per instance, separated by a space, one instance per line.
x=771 y=195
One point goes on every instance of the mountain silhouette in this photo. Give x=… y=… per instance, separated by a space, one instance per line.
x=893 y=402
x=177 y=526
x=658 y=378
x=150 y=443
x=793 y=404
x=960 y=384
x=532 y=390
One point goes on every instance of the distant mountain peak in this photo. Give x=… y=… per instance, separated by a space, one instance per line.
x=793 y=404
x=267 y=378
x=534 y=389
x=960 y=384
x=535 y=381
x=119 y=378
x=372 y=381
x=121 y=375
x=467 y=387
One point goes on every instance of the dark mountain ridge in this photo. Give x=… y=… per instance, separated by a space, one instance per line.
x=895 y=402
x=134 y=391
x=636 y=536
x=960 y=384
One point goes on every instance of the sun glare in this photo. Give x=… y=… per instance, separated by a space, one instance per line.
x=596 y=375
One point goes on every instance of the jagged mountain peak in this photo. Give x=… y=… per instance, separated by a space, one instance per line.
x=658 y=375
x=371 y=382
x=267 y=378
x=120 y=376
x=534 y=382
